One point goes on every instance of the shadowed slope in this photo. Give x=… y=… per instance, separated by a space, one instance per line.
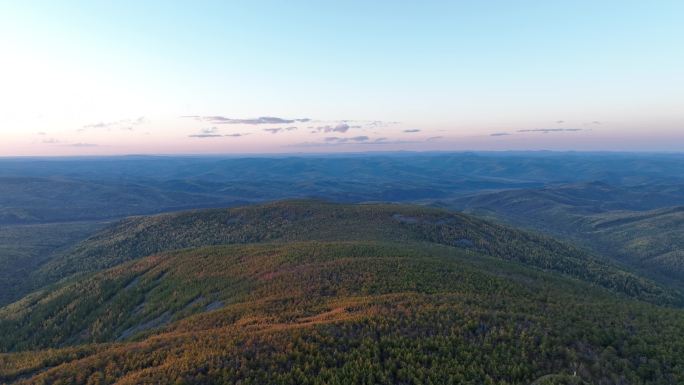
x=641 y=226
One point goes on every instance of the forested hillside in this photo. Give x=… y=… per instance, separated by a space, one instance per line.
x=24 y=248
x=314 y=220
x=29 y=200
x=651 y=240
x=340 y=312
x=635 y=225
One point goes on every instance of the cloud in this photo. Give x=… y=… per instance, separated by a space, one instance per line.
x=125 y=124
x=550 y=130
x=411 y=130
x=53 y=141
x=344 y=125
x=42 y=133
x=212 y=132
x=357 y=139
x=500 y=134
x=209 y=130
x=217 y=119
x=205 y=136
x=380 y=123
x=341 y=127
x=279 y=129
x=433 y=138
x=96 y=125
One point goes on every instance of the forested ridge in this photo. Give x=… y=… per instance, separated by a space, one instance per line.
x=298 y=220
x=308 y=292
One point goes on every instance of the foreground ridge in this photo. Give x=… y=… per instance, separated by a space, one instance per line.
x=313 y=292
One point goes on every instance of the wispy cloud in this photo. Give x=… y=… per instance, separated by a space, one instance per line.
x=340 y=127
x=124 y=124
x=380 y=123
x=279 y=129
x=205 y=136
x=213 y=132
x=551 y=130
x=57 y=142
x=356 y=139
x=500 y=134
x=345 y=125
x=217 y=119
x=208 y=132
x=411 y=130
x=82 y=145
x=97 y=125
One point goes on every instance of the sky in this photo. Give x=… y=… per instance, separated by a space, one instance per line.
x=233 y=77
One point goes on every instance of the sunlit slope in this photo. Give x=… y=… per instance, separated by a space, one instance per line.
x=336 y=312
x=290 y=221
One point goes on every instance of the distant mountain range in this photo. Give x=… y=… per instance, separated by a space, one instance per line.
x=68 y=189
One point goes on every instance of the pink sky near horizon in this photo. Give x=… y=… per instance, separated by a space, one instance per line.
x=176 y=135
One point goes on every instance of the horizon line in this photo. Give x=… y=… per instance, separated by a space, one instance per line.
x=341 y=154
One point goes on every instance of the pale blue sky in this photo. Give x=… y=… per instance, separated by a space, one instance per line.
x=585 y=75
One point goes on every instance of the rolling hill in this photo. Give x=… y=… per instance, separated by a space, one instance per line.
x=40 y=200
x=40 y=190
x=633 y=225
x=651 y=240
x=310 y=292
x=24 y=248
x=308 y=220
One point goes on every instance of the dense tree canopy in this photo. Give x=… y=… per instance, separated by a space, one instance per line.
x=313 y=293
